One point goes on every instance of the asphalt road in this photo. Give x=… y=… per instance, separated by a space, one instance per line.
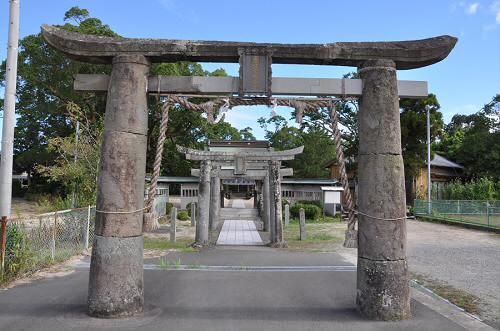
x=215 y=300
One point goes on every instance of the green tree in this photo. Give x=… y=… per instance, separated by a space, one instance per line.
x=247 y=134
x=318 y=146
x=414 y=131
x=45 y=91
x=474 y=141
x=48 y=109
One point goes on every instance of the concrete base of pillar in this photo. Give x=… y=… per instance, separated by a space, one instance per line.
x=116 y=277
x=383 y=289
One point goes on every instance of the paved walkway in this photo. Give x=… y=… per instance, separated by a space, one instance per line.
x=239 y=232
x=241 y=299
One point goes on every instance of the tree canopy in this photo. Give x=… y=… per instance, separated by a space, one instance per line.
x=48 y=109
x=474 y=141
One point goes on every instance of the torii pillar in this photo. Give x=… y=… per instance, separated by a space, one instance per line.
x=116 y=267
x=383 y=291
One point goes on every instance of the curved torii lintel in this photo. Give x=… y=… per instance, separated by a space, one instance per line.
x=98 y=49
x=199 y=155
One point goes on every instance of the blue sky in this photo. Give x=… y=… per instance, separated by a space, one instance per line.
x=463 y=82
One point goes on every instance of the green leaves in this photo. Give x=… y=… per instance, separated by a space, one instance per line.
x=414 y=131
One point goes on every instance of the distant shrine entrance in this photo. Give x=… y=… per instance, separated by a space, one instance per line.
x=116 y=270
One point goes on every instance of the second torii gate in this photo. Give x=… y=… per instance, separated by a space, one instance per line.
x=210 y=175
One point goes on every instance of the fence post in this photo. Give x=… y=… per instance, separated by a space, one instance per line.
x=87 y=230
x=173 y=220
x=302 y=220
x=488 y=212
x=4 y=240
x=53 y=243
x=193 y=213
x=287 y=214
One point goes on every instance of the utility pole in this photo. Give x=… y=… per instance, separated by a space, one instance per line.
x=9 y=112
x=429 y=183
x=77 y=136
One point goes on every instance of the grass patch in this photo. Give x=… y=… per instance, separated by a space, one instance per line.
x=166 y=244
x=469 y=302
x=320 y=237
x=323 y=235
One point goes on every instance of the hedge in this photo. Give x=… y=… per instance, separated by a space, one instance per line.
x=168 y=208
x=310 y=202
x=312 y=212
x=182 y=215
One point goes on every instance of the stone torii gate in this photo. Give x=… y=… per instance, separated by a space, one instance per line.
x=210 y=174
x=116 y=271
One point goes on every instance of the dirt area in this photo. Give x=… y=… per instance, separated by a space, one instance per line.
x=23 y=208
x=464 y=259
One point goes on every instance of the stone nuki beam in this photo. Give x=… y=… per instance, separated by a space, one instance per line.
x=250 y=174
x=98 y=49
x=194 y=154
x=230 y=85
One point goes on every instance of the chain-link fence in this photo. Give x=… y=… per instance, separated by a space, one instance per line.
x=485 y=213
x=37 y=241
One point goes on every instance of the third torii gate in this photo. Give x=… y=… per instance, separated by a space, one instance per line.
x=116 y=271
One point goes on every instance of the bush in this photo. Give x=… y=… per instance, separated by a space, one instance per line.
x=168 y=207
x=310 y=202
x=312 y=212
x=48 y=203
x=188 y=208
x=479 y=189
x=182 y=215
x=19 y=257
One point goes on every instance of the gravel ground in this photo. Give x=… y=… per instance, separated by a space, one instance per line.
x=463 y=258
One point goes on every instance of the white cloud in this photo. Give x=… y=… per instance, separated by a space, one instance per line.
x=472 y=8
x=495 y=8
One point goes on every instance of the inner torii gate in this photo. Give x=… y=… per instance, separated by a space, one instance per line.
x=116 y=271
x=210 y=174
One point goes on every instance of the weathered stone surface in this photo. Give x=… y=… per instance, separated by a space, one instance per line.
x=201 y=236
x=302 y=221
x=278 y=214
x=381 y=194
x=214 y=199
x=377 y=116
x=173 y=224
x=126 y=106
x=193 y=213
x=287 y=214
x=121 y=184
x=383 y=289
x=200 y=155
x=116 y=277
x=266 y=196
x=272 y=207
x=98 y=49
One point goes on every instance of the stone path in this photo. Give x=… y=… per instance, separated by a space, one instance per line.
x=239 y=232
x=238 y=203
